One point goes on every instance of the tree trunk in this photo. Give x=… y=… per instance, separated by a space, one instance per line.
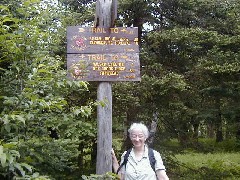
x=238 y=128
x=80 y=158
x=94 y=154
x=210 y=130
x=183 y=136
x=196 y=133
x=219 y=129
x=153 y=130
x=130 y=118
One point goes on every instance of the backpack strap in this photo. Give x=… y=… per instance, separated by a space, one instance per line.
x=151 y=158
x=124 y=160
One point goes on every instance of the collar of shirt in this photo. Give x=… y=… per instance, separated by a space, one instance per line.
x=145 y=154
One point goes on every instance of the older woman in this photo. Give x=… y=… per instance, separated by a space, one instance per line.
x=138 y=165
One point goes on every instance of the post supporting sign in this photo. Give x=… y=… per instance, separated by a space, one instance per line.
x=103 y=53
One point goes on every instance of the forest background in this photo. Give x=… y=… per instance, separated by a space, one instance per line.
x=190 y=68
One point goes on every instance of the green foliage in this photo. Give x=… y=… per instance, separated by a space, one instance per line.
x=79 y=12
x=108 y=176
x=210 y=166
x=11 y=167
x=205 y=55
x=228 y=145
x=8 y=160
x=190 y=79
x=38 y=113
x=39 y=153
x=207 y=159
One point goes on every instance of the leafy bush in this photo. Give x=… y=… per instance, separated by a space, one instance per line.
x=208 y=166
x=107 y=176
x=204 y=145
x=12 y=168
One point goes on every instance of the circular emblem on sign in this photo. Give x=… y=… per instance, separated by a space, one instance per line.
x=79 y=70
x=78 y=43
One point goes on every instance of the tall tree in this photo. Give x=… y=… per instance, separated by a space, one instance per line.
x=186 y=36
x=42 y=123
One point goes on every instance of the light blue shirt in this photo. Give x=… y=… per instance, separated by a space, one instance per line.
x=141 y=169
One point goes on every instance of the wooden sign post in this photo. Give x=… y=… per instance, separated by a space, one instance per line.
x=103 y=53
x=104 y=18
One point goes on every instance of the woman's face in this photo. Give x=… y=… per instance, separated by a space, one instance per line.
x=137 y=137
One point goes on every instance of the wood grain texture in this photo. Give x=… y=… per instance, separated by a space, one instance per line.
x=104 y=115
x=103 y=18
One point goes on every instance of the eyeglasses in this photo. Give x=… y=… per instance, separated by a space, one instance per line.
x=134 y=136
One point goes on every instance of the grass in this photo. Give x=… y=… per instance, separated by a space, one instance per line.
x=204 y=145
x=199 y=159
x=204 y=159
x=222 y=166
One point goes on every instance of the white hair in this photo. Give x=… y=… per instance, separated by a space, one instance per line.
x=140 y=126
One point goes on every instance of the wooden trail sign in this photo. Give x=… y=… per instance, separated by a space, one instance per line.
x=104 y=67
x=102 y=40
x=103 y=54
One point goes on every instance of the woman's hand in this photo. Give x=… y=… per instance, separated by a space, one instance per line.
x=114 y=161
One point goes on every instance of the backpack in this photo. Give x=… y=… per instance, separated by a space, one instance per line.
x=150 y=156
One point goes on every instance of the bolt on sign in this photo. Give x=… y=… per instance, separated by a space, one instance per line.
x=103 y=54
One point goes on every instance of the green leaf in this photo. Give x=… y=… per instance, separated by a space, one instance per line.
x=7 y=127
x=1 y=149
x=19 y=167
x=41 y=65
x=43 y=71
x=10 y=158
x=35 y=175
x=70 y=83
x=28 y=167
x=3 y=157
x=20 y=118
x=76 y=111
x=15 y=153
x=10 y=145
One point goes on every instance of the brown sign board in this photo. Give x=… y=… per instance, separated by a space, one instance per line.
x=104 y=67
x=103 y=54
x=100 y=40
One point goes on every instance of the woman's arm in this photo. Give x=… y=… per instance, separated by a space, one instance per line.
x=115 y=165
x=161 y=175
x=114 y=162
